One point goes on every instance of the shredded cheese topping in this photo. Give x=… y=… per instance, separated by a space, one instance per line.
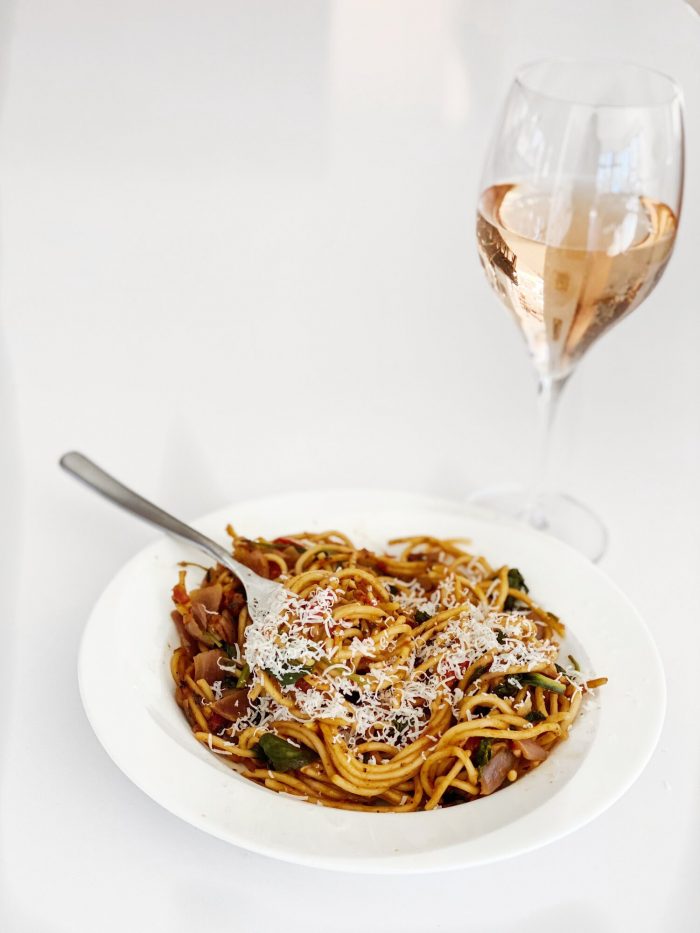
x=392 y=701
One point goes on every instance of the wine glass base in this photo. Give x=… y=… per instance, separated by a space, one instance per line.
x=557 y=514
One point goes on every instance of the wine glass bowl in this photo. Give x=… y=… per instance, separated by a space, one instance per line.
x=567 y=286
x=576 y=221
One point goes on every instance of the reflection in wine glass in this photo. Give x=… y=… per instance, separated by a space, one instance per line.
x=576 y=221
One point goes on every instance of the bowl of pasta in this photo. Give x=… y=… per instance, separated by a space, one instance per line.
x=440 y=687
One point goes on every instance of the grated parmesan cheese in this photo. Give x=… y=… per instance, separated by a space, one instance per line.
x=394 y=699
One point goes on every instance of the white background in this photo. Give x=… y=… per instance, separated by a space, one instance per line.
x=237 y=259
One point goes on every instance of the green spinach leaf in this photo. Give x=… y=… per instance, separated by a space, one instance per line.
x=282 y=755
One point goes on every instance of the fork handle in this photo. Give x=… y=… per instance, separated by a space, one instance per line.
x=96 y=478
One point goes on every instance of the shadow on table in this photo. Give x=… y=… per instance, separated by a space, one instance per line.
x=573 y=916
x=497 y=899
x=10 y=545
x=10 y=492
x=683 y=902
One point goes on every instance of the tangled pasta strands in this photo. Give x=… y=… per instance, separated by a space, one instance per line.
x=408 y=680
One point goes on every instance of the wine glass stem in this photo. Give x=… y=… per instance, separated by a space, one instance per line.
x=548 y=393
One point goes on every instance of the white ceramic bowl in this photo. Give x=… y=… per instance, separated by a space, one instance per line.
x=127 y=692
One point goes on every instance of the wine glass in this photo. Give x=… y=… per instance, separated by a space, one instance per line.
x=580 y=199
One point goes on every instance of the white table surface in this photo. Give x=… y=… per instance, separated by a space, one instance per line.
x=218 y=216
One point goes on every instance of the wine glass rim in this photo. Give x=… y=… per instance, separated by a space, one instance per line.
x=675 y=92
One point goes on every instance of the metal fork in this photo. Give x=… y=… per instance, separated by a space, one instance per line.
x=264 y=596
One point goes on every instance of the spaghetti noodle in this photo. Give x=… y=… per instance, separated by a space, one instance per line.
x=403 y=681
